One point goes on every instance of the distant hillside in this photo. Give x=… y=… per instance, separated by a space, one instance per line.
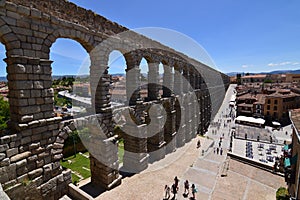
x=3 y=78
x=272 y=72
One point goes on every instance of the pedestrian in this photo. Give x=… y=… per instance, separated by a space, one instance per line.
x=220 y=144
x=194 y=191
x=217 y=150
x=186 y=187
x=174 y=190
x=176 y=181
x=167 y=192
x=198 y=144
x=214 y=150
x=221 y=151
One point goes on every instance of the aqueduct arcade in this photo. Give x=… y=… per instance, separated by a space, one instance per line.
x=32 y=148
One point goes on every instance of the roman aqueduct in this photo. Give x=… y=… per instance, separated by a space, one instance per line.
x=32 y=148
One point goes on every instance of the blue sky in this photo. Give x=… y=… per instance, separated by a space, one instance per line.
x=249 y=36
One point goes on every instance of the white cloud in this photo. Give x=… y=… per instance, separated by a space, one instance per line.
x=245 y=66
x=282 y=64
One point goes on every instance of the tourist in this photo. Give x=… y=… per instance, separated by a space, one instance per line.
x=217 y=150
x=167 y=192
x=194 y=191
x=174 y=190
x=176 y=181
x=186 y=187
x=221 y=151
x=198 y=144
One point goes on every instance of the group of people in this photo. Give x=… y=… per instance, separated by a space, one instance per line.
x=175 y=187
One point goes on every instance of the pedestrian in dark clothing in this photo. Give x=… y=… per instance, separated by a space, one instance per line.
x=186 y=187
x=194 y=191
x=174 y=190
x=221 y=151
x=167 y=192
x=214 y=150
x=198 y=144
x=217 y=150
x=176 y=181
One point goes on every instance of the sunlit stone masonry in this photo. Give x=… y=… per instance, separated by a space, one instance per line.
x=31 y=149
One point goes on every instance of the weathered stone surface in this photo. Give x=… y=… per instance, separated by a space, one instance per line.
x=3 y=147
x=20 y=156
x=2 y=156
x=5 y=139
x=35 y=173
x=12 y=152
x=21 y=163
x=4 y=162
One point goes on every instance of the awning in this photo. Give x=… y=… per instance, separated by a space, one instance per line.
x=250 y=119
x=287 y=162
x=276 y=123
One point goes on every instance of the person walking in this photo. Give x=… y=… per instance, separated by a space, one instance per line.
x=174 y=191
x=221 y=151
x=167 y=192
x=217 y=150
x=198 y=144
x=194 y=191
x=186 y=187
x=176 y=181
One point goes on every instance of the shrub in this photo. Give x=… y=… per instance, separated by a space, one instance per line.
x=282 y=194
x=4 y=113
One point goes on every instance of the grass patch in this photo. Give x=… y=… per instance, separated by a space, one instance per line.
x=78 y=164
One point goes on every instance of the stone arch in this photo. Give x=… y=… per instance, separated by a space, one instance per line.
x=8 y=38
x=78 y=36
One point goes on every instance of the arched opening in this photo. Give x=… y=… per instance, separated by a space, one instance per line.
x=70 y=78
x=144 y=78
x=4 y=104
x=117 y=70
x=70 y=82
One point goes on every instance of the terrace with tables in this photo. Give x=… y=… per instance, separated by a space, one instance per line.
x=260 y=152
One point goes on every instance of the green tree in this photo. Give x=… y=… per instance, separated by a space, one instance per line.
x=4 y=113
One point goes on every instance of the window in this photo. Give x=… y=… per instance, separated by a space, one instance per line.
x=268 y=107
x=268 y=113
x=275 y=102
x=275 y=107
x=269 y=101
x=275 y=114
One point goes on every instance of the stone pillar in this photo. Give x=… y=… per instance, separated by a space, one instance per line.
x=135 y=143
x=169 y=129
x=30 y=92
x=168 y=81
x=186 y=76
x=180 y=121
x=133 y=80
x=135 y=150
x=104 y=173
x=178 y=80
x=104 y=163
x=155 y=140
x=28 y=151
x=153 y=81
